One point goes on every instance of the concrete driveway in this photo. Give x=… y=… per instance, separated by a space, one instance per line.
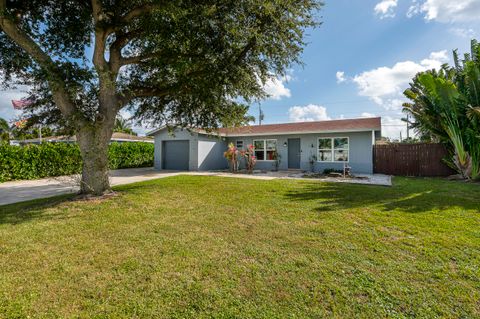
x=20 y=191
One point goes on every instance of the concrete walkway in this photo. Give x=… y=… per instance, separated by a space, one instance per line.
x=20 y=191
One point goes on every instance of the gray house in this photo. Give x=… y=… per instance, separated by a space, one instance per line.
x=329 y=144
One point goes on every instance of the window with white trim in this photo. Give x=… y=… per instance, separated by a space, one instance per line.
x=333 y=149
x=265 y=149
x=239 y=144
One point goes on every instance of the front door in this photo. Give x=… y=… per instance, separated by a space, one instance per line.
x=294 y=153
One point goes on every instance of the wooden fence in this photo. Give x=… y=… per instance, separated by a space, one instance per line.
x=422 y=159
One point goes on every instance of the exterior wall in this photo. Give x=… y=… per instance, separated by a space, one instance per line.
x=210 y=153
x=164 y=135
x=206 y=152
x=360 y=151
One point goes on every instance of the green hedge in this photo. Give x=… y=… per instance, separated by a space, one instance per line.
x=56 y=159
x=130 y=155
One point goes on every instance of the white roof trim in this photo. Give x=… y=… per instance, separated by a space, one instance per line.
x=152 y=133
x=301 y=132
x=155 y=131
x=161 y=128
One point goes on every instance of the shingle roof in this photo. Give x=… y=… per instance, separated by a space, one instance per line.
x=116 y=136
x=346 y=125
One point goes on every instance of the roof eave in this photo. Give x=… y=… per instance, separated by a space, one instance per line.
x=302 y=132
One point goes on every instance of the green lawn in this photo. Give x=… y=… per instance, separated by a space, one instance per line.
x=202 y=247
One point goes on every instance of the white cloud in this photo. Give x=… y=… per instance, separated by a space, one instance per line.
x=392 y=126
x=308 y=113
x=275 y=87
x=386 y=8
x=393 y=104
x=366 y=114
x=463 y=32
x=340 y=76
x=414 y=9
x=384 y=85
x=435 y=60
x=446 y=11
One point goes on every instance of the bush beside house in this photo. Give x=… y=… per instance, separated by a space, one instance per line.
x=56 y=159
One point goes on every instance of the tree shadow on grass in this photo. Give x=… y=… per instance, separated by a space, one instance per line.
x=33 y=210
x=408 y=196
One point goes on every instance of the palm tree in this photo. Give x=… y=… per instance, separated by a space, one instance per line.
x=123 y=126
x=446 y=105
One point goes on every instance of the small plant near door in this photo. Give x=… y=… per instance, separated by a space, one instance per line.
x=250 y=158
x=232 y=155
x=311 y=161
x=277 y=158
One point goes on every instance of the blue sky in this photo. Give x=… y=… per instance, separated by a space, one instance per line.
x=360 y=59
x=379 y=46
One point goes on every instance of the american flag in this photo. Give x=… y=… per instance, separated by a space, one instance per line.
x=20 y=104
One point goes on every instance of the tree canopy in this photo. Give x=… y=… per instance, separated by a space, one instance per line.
x=195 y=63
x=187 y=63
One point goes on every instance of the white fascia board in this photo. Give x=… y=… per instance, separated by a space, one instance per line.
x=300 y=132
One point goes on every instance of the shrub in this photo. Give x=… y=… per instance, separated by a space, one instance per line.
x=56 y=159
x=130 y=155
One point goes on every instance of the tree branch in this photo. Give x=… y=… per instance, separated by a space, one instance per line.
x=99 y=60
x=139 y=58
x=141 y=92
x=243 y=54
x=97 y=10
x=55 y=80
x=139 y=11
x=117 y=46
x=108 y=99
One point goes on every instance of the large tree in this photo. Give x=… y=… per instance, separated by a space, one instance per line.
x=184 y=62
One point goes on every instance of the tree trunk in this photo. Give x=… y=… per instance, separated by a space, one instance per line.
x=93 y=142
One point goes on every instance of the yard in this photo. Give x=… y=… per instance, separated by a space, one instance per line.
x=202 y=247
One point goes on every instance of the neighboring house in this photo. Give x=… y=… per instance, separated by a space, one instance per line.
x=116 y=137
x=330 y=143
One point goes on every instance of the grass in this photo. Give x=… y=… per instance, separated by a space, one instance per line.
x=203 y=247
